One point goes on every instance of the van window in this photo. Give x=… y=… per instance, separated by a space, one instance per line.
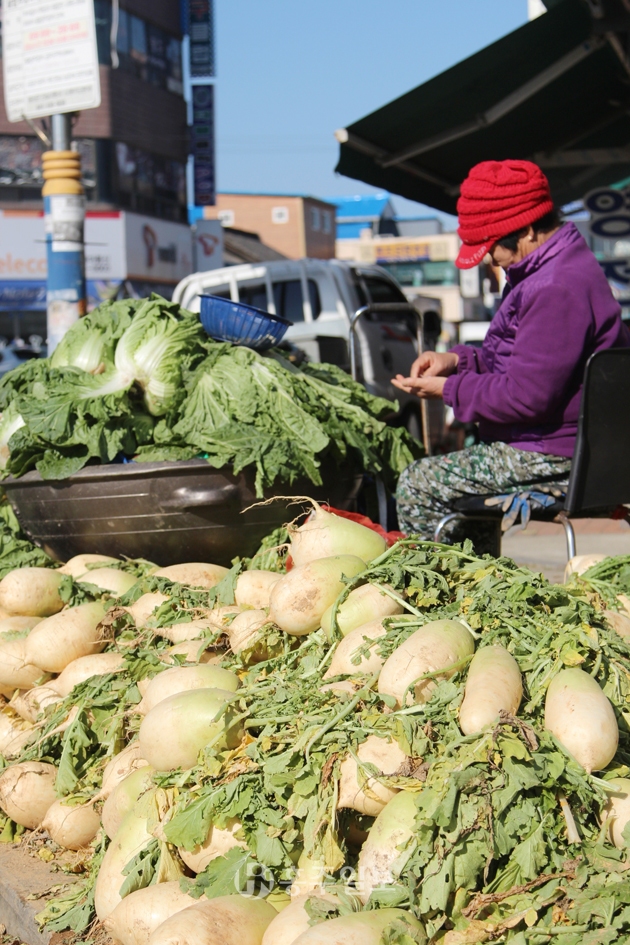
x=288 y=299
x=380 y=290
x=221 y=291
x=372 y=289
x=253 y=293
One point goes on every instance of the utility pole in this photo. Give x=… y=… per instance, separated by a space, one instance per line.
x=50 y=61
x=64 y=215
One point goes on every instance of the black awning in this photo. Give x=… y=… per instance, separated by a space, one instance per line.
x=556 y=91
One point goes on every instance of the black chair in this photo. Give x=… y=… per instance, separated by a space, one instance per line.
x=599 y=482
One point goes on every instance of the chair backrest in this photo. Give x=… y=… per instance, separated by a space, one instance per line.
x=600 y=474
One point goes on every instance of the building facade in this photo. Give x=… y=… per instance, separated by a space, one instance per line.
x=134 y=149
x=293 y=224
x=425 y=265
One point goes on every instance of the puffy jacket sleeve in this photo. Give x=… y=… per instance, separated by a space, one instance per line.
x=470 y=359
x=554 y=335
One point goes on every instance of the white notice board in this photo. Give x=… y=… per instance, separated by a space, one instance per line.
x=50 y=60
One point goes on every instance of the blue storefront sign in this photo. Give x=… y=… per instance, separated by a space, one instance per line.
x=22 y=295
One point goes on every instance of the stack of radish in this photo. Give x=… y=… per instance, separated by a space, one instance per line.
x=191 y=705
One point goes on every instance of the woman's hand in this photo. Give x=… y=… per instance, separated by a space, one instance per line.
x=430 y=388
x=434 y=364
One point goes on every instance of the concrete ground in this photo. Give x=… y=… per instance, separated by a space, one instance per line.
x=542 y=545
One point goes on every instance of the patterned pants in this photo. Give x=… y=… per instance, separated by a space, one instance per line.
x=428 y=488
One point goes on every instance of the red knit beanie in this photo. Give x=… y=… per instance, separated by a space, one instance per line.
x=497 y=198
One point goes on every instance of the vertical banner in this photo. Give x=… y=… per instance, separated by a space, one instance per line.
x=201 y=33
x=202 y=145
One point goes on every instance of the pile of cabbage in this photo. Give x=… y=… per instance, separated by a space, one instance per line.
x=332 y=742
x=140 y=379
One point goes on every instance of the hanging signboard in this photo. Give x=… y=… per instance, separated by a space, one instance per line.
x=50 y=59
x=202 y=144
x=610 y=220
x=201 y=33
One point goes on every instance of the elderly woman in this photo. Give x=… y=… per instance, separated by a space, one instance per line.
x=523 y=387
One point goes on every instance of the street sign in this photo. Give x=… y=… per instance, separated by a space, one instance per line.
x=50 y=59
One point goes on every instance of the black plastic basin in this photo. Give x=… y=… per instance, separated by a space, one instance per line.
x=166 y=512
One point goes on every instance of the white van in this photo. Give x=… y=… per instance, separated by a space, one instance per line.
x=319 y=296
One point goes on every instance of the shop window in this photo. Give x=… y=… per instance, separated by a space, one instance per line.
x=138 y=46
x=103 y=22
x=326 y=221
x=156 y=56
x=123 y=38
x=315 y=221
x=174 y=65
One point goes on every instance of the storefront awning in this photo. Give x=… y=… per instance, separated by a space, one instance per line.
x=555 y=91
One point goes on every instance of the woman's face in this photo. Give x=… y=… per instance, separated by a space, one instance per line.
x=506 y=257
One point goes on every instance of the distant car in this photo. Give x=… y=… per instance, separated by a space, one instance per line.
x=319 y=296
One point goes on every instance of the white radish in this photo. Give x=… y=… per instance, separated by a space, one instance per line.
x=299 y=598
x=221 y=617
x=16 y=624
x=75 y=632
x=14 y=732
x=26 y=792
x=294 y=919
x=123 y=798
x=187 y=630
x=348 y=660
x=16 y=669
x=31 y=592
x=226 y=920
x=438 y=648
x=109 y=579
x=620 y=622
x=244 y=633
x=363 y=605
x=324 y=535
x=141 y=912
x=341 y=685
x=624 y=600
x=309 y=876
x=616 y=812
x=194 y=574
x=174 y=732
x=193 y=651
x=390 y=843
x=360 y=791
x=78 y=565
x=184 y=678
x=143 y=609
x=121 y=765
x=218 y=842
x=364 y=928
x=253 y=588
x=85 y=667
x=581 y=563
x=130 y=840
x=33 y=702
x=582 y=719
x=73 y=827
x=493 y=684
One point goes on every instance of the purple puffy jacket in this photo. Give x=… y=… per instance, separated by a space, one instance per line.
x=524 y=385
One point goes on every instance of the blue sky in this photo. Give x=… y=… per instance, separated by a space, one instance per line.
x=290 y=72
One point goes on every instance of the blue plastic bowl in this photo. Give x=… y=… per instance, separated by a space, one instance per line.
x=241 y=324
